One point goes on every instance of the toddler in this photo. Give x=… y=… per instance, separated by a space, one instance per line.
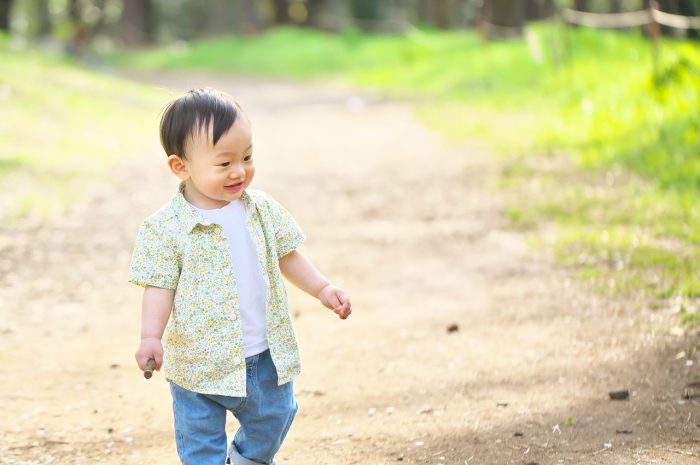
x=211 y=263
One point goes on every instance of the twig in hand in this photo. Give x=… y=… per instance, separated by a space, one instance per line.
x=150 y=367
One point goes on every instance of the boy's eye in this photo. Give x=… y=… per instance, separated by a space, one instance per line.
x=248 y=158
x=225 y=164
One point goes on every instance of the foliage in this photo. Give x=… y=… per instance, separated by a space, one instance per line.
x=589 y=93
x=637 y=231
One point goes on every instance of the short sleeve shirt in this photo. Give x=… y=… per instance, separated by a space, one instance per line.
x=177 y=248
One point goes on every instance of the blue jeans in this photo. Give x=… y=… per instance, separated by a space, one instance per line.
x=265 y=415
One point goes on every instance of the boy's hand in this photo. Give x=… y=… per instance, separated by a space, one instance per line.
x=150 y=347
x=337 y=300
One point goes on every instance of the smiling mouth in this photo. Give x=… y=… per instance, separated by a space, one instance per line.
x=234 y=187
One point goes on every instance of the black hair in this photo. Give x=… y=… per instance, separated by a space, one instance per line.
x=192 y=112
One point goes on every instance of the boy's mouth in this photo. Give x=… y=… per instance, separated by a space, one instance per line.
x=234 y=187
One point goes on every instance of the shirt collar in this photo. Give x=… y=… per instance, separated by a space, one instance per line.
x=190 y=216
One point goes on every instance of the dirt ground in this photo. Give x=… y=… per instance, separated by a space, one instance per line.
x=412 y=226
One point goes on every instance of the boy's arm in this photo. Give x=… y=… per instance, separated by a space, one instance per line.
x=303 y=274
x=156 y=307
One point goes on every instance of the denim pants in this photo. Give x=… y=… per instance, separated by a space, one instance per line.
x=265 y=415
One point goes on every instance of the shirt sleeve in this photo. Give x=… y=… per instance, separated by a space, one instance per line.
x=154 y=261
x=288 y=234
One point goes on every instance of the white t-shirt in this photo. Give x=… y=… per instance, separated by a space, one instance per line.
x=252 y=290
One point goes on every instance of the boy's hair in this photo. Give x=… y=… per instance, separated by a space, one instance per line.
x=189 y=114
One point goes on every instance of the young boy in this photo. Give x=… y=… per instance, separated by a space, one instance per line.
x=215 y=256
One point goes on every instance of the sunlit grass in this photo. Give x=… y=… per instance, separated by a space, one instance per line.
x=63 y=129
x=630 y=134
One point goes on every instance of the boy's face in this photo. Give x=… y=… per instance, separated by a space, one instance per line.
x=215 y=175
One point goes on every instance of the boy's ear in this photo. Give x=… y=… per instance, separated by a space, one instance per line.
x=178 y=167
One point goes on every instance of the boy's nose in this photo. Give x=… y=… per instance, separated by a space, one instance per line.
x=237 y=172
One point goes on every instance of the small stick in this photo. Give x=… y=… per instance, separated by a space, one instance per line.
x=150 y=366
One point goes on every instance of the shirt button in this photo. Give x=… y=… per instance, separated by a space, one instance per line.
x=234 y=316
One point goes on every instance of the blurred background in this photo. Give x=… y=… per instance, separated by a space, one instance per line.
x=106 y=24
x=606 y=85
x=446 y=146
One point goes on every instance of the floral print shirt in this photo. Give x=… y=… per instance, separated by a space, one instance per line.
x=176 y=248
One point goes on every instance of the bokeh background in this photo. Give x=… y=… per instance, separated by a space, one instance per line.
x=520 y=177
x=523 y=74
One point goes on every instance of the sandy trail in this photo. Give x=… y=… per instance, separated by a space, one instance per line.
x=411 y=225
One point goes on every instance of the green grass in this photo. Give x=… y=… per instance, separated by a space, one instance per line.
x=64 y=129
x=604 y=152
x=394 y=63
x=601 y=148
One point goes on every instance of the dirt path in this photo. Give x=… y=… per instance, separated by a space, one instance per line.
x=411 y=225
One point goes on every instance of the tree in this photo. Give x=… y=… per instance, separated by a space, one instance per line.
x=365 y=13
x=138 y=22
x=315 y=9
x=249 y=17
x=44 y=25
x=439 y=13
x=211 y=17
x=538 y=9
x=581 y=5
x=503 y=18
x=5 y=8
x=435 y=12
x=280 y=10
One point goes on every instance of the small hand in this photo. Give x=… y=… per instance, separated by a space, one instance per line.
x=149 y=348
x=337 y=300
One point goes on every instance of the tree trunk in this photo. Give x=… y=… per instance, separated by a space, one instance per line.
x=99 y=26
x=250 y=19
x=281 y=11
x=506 y=18
x=365 y=12
x=439 y=13
x=5 y=8
x=532 y=10
x=506 y=13
x=219 y=18
x=423 y=12
x=44 y=25
x=538 y=9
x=581 y=5
x=79 y=37
x=315 y=12
x=138 y=22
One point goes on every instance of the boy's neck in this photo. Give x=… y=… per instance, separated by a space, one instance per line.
x=195 y=199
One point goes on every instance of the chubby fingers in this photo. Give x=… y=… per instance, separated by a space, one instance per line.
x=343 y=307
x=144 y=354
x=142 y=361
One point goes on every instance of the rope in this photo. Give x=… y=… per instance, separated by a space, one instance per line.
x=629 y=19
x=607 y=20
x=676 y=21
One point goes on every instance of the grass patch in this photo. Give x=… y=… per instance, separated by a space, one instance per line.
x=599 y=151
x=63 y=129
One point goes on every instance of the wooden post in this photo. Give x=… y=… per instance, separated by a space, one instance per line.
x=655 y=32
